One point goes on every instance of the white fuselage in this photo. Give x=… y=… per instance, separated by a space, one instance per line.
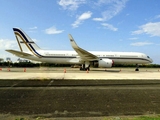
x=30 y=50
x=71 y=57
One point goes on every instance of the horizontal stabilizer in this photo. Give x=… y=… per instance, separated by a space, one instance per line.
x=19 y=53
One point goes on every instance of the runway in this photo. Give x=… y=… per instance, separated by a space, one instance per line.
x=53 y=98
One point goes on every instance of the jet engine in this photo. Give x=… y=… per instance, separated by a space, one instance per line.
x=105 y=63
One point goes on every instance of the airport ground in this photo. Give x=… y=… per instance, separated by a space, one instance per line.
x=75 y=73
x=60 y=93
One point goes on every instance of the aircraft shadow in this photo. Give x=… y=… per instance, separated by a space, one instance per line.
x=107 y=70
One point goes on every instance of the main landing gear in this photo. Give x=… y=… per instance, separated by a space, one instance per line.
x=137 y=67
x=85 y=67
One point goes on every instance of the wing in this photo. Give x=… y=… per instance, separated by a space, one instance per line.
x=18 y=53
x=85 y=55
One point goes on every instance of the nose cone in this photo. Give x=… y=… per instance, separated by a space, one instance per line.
x=150 y=60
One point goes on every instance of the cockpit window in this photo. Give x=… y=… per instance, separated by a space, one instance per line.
x=148 y=57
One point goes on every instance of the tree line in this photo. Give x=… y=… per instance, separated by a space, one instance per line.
x=31 y=64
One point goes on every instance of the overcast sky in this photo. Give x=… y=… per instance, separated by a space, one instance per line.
x=98 y=25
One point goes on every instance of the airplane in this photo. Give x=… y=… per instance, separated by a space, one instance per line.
x=30 y=50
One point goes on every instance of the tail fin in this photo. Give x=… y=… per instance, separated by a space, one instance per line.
x=26 y=44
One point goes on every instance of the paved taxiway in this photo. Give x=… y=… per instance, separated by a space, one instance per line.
x=49 y=92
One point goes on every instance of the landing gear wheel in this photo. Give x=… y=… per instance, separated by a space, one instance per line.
x=81 y=69
x=87 y=69
x=136 y=69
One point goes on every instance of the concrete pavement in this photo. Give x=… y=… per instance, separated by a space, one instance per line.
x=74 y=73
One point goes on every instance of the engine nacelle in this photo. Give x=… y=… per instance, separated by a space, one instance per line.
x=107 y=63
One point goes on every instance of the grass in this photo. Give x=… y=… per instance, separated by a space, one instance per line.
x=151 y=117
x=157 y=117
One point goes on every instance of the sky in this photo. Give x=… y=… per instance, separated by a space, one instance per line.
x=96 y=25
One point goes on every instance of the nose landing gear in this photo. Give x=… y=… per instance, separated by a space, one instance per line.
x=137 y=67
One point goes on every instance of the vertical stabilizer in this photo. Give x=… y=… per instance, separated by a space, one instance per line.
x=26 y=44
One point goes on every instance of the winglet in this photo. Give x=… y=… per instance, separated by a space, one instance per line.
x=73 y=43
x=81 y=52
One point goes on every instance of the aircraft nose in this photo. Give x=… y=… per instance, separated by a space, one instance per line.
x=151 y=60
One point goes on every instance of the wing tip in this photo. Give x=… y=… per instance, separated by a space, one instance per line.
x=70 y=37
